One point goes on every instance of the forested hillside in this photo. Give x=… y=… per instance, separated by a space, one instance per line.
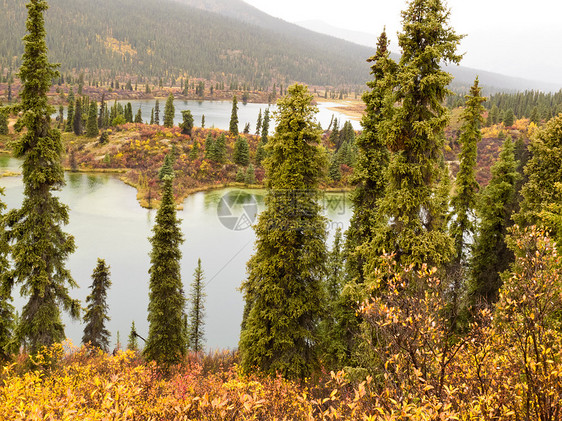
x=167 y=39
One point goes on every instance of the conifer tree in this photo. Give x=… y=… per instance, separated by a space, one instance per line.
x=40 y=247
x=169 y=111
x=77 y=123
x=203 y=121
x=187 y=124
x=95 y=333
x=220 y=149
x=250 y=177
x=132 y=343
x=196 y=329
x=258 y=124
x=70 y=111
x=265 y=127
x=3 y=123
x=166 y=343
x=92 y=129
x=463 y=201
x=8 y=345
x=412 y=220
x=152 y=116
x=241 y=154
x=283 y=288
x=491 y=255
x=128 y=113
x=372 y=161
x=233 y=126
x=167 y=169
x=210 y=147
x=138 y=116
x=194 y=152
x=542 y=193
x=157 y=112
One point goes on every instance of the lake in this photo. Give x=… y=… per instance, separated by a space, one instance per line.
x=217 y=113
x=107 y=222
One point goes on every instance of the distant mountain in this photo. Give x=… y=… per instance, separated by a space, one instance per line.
x=464 y=76
x=222 y=40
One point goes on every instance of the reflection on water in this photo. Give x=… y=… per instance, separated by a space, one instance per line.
x=107 y=222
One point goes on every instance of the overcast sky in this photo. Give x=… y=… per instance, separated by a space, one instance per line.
x=513 y=37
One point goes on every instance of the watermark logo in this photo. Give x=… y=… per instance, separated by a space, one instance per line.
x=237 y=210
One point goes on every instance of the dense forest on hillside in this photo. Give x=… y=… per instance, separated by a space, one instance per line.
x=167 y=39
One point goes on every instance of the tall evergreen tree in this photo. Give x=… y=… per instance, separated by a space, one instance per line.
x=220 y=149
x=265 y=127
x=463 y=201
x=77 y=123
x=138 y=116
x=258 y=124
x=92 y=129
x=40 y=246
x=169 y=111
x=187 y=124
x=95 y=333
x=372 y=161
x=70 y=111
x=157 y=112
x=283 y=289
x=233 y=126
x=166 y=343
x=132 y=343
x=196 y=329
x=4 y=130
x=241 y=154
x=412 y=219
x=8 y=345
x=491 y=255
x=542 y=193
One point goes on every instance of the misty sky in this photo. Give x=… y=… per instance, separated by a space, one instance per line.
x=514 y=37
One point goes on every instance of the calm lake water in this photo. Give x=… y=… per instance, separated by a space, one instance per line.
x=107 y=222
x=217 y=113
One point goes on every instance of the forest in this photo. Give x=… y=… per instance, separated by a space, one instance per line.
x=440 y=301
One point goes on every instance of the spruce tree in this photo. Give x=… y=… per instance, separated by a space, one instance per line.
x=152 y=116
x=412 y=220
x=194 y=152
x=166 y=343
x=372 y=161
x=169 y=112
x=196 y=329
x=167 y=169
x=258 y=124
x=283 y=288
x=132 y=343
x=210 y=147
x=157 y=112
x=77 y=123
x=187 y=124
x=203 y=121
x=250 y=177
x=463 y=201
x=8 y=345
x=542 y=193
x=138 y=116
x=3 y=123
x=491 y=255
x=95 y=333
x=40 y=247
x=92 y=129
x=220 y=149
x=265 y=127
x=233 y=126
x=70 y=111
x=241 y=154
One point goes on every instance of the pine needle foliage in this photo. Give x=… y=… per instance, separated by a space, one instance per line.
x=169 y=112
x=496 y=204
x=413 y=215
x=95 y=332
x=372 y=161
x=233 y=125
x=463 y=201
x=166 y=343
x=196 y=327
x=40 y=247
x=283 y=288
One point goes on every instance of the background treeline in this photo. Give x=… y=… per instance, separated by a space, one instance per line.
x=167 y=39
